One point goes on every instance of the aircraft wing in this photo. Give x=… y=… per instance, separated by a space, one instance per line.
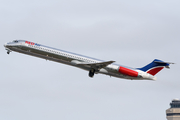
x=96 y=66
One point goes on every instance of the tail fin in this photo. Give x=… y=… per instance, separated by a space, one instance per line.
x=155 y=66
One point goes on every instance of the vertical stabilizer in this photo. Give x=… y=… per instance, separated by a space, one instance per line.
x=155 y=66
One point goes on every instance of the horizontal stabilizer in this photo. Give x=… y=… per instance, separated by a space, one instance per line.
x=167 y=63
x=164 y=62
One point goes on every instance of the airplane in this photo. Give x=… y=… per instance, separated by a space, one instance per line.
x=94 y=66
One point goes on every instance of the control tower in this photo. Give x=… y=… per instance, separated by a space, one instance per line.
x=173 y=113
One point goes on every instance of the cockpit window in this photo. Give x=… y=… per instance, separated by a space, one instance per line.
x=15 y=41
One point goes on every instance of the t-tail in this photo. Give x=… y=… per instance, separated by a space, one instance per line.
x=155 y=66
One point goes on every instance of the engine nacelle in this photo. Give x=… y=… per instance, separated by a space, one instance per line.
x=128 y=72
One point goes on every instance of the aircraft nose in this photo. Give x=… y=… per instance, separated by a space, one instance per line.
x=5 y=44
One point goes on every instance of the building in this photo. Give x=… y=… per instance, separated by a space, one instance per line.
x=173 y=113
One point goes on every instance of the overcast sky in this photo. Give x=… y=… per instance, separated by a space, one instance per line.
x=132 y=33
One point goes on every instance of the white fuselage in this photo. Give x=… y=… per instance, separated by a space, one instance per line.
x=80 y=61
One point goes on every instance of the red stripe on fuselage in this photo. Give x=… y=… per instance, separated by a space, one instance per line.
x=155 y=70
x=128 y=72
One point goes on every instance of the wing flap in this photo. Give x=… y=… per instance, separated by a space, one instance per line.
x=97 y=65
